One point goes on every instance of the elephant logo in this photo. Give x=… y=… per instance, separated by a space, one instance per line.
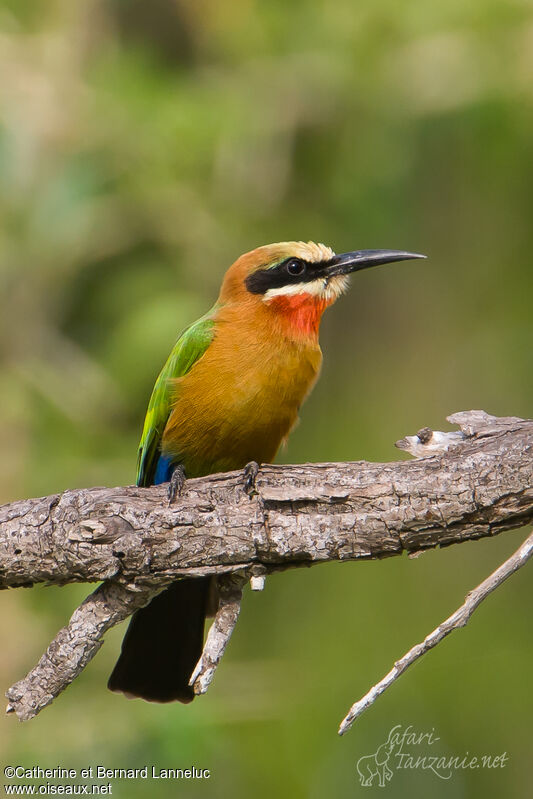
x=376 y=765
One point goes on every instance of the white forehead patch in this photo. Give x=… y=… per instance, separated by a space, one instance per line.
x=309 y=251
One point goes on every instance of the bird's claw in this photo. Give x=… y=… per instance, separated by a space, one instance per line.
x=250 y=473
x=175 y=486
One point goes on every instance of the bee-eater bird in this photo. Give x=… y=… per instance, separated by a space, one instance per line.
x=227 y=396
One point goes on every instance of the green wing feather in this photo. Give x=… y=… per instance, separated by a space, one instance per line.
x=189 y=347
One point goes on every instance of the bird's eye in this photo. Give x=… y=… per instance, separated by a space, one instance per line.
x=295 y=267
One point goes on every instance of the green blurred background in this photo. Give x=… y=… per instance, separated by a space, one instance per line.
x=143 y=147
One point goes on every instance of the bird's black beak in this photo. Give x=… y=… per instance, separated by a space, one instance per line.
x=363 y=259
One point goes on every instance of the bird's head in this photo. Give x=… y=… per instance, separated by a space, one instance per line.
x=297 y=280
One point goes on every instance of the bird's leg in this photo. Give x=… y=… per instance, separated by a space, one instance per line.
x=177 y=481
x=250 y=473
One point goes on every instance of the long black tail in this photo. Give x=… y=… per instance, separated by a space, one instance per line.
x=163 y=644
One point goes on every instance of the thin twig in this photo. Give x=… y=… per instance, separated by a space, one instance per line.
x=230 y=594
x=453 y=622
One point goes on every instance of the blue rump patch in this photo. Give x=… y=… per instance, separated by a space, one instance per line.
x=163 y=471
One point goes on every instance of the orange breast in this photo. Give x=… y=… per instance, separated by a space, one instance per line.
x=241 y=399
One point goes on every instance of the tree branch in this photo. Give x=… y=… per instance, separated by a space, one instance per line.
x=230 y=594
x=73 y=647
x=464 y=486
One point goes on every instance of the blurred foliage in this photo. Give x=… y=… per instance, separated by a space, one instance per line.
x=143 y=147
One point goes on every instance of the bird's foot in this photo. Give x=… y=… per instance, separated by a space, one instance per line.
x=249 y=474
x=177 y=481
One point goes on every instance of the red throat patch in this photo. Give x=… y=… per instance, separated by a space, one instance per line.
x=301 y=312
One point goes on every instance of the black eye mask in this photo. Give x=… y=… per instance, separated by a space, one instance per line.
x=287 y=273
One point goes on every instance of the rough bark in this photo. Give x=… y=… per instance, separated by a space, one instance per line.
x=463 y=486
x=298 y=515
